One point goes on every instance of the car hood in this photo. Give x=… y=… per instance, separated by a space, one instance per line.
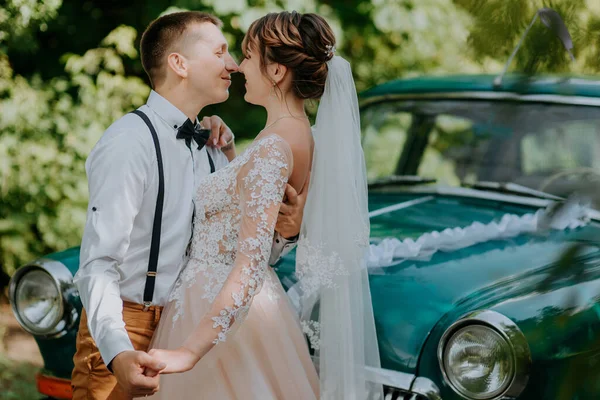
x=410 y=297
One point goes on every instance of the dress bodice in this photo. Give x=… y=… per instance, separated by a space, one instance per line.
x=235 y=213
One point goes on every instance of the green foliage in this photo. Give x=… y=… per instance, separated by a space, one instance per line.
x=499 y=24
x=20 y=18
x=48 y=128
x=17 y=380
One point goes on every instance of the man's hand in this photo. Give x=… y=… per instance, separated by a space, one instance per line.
x=291 y=211
x=129 y=368
x=220 y=134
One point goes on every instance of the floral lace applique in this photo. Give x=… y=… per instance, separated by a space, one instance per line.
x=362 y=237
x=236 y=207
x=312 y=329
x=314 y=269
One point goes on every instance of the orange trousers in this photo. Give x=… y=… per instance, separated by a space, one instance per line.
x=91 y=380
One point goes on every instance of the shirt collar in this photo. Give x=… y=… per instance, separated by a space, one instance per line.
x=172 y=115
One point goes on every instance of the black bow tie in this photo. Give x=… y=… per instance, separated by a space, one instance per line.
x=188 y=132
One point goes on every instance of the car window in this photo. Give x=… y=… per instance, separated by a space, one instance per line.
x=384 y=131
x=562 y=146
x=451 y=148
x=548 y=147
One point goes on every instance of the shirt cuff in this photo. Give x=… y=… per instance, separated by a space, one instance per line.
x=281 y=246
x=112 y=345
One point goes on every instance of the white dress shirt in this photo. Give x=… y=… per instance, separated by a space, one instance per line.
x=123 y=186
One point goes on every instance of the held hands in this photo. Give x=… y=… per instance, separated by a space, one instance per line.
x=138 y=372
x=291 y=210
x=180 y=360
x=131 y=368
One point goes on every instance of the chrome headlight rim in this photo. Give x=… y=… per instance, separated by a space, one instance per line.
x=455 y=380
x=513 y=336
x=63 y=280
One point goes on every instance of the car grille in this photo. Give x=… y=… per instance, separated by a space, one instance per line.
x=390 y=393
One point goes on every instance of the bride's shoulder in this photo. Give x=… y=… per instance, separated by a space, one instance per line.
x=297 y=136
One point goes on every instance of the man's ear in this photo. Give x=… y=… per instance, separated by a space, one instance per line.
x=178 y=64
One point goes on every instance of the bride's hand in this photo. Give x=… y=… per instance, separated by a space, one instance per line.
x=180 y=360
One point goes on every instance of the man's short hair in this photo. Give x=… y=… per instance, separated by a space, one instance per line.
x=159 y=39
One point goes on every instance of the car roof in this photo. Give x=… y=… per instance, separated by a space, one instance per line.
x=483 y=86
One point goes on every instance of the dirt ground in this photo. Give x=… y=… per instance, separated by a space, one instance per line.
x=15 y=343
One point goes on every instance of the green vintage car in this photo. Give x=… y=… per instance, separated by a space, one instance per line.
x=464 y=174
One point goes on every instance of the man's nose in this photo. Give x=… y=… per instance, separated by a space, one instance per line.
x=230 y=64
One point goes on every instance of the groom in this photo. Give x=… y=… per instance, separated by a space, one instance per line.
x=186 y=57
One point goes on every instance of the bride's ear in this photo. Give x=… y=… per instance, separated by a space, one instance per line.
x=178 y=64
x=277 y=72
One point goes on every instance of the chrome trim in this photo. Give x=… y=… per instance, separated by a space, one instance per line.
x=426 y=387
x=399 y=206
x=485 y=195
x=388 y=377
x=63 y=278
x=480 y=194
x=484 y=95
x=402 y=381
x=510 y=332
x=513 y=188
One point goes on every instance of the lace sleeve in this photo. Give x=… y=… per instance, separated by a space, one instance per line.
x=261 y=184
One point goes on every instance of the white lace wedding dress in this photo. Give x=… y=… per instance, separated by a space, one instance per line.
x=260 y=351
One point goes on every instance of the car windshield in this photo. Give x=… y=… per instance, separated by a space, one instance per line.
x=546 y=147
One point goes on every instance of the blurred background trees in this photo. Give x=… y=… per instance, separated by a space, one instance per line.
x=68 y=68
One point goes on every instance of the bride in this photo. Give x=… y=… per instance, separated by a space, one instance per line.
x=229 y=321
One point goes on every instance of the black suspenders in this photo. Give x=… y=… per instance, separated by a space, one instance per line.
x=156 y=227
x=155 y=242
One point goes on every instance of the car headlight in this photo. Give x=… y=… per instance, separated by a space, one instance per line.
x=485 y=356
x=37 y=295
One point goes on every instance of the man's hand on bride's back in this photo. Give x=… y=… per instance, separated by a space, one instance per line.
x=180 y=360
x=291 y=211
x=129 y=367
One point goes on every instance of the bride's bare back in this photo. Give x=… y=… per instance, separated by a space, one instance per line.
x=297 y=133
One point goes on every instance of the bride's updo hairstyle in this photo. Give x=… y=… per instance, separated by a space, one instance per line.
x=301 y=42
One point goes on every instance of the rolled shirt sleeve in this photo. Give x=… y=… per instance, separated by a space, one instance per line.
x=117 y=170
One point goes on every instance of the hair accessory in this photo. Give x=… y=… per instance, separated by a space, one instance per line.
x=330 y=50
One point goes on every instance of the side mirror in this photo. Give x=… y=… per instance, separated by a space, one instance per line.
x=553 y=21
